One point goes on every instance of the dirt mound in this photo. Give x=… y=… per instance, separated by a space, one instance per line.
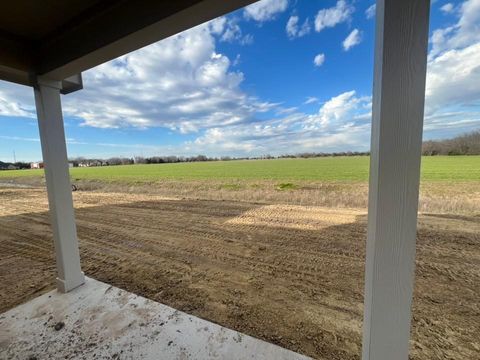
x=296 y=217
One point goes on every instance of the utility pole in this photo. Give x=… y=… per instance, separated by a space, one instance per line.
x=14 y=157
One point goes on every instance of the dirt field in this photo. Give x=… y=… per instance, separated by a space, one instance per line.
x=289 y=274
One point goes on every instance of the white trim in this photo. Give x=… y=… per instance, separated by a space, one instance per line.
x=52 y=137
x=398 y=103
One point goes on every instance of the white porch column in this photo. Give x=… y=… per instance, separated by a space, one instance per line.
x=52 y=136
x=398 y=102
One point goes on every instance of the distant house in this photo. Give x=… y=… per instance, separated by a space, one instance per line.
x=36 y=165
x=88 y=163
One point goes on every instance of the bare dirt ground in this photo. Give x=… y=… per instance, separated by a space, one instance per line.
x=289 y=274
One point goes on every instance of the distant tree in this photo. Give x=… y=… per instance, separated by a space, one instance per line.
x=114 y=161
x=171 y=159
x=139 y=160
x=200 y=158
x=22 y=165
x=466 y=144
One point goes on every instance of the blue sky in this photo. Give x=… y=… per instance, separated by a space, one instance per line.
x=280 y=76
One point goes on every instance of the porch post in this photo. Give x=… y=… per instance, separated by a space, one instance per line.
x=52 y=137
x=397 y=122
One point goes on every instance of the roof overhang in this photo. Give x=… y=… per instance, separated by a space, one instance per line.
x=60 y=39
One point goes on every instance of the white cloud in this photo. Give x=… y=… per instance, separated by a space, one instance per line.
x=230 y=31
x=453 y=78
x=181 y=83
x=16 y=100
x=370 y=12
x=341 y=123
x=310 y=100
x=338 y=110
x=10 y=104
x=319 y=59
x=453 y=72
x=237 y=60
x=292 y=26
x=465 y=32
x=447 y=8
x=76 y=142
x=265 y=10
x=294 y=30
x=354 y=38
x=217 y=26
x=330 y=17
x=19 y=138
x=288 y=110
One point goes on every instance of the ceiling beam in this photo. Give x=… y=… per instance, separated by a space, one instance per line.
x=124 y=27
x=17 y=59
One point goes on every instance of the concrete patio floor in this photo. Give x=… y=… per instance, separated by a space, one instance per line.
x=99 y=321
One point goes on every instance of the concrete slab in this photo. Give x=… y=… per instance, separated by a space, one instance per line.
x=99 y=321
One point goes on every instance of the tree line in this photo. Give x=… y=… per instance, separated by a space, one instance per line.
x=14 y=166
x=176 y=159
x=466 y=144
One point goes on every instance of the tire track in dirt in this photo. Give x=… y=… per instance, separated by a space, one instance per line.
x=288 y=274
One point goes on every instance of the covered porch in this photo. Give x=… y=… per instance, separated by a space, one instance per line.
x=50 y=59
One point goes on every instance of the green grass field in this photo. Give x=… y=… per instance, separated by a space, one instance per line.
x=439 y=168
